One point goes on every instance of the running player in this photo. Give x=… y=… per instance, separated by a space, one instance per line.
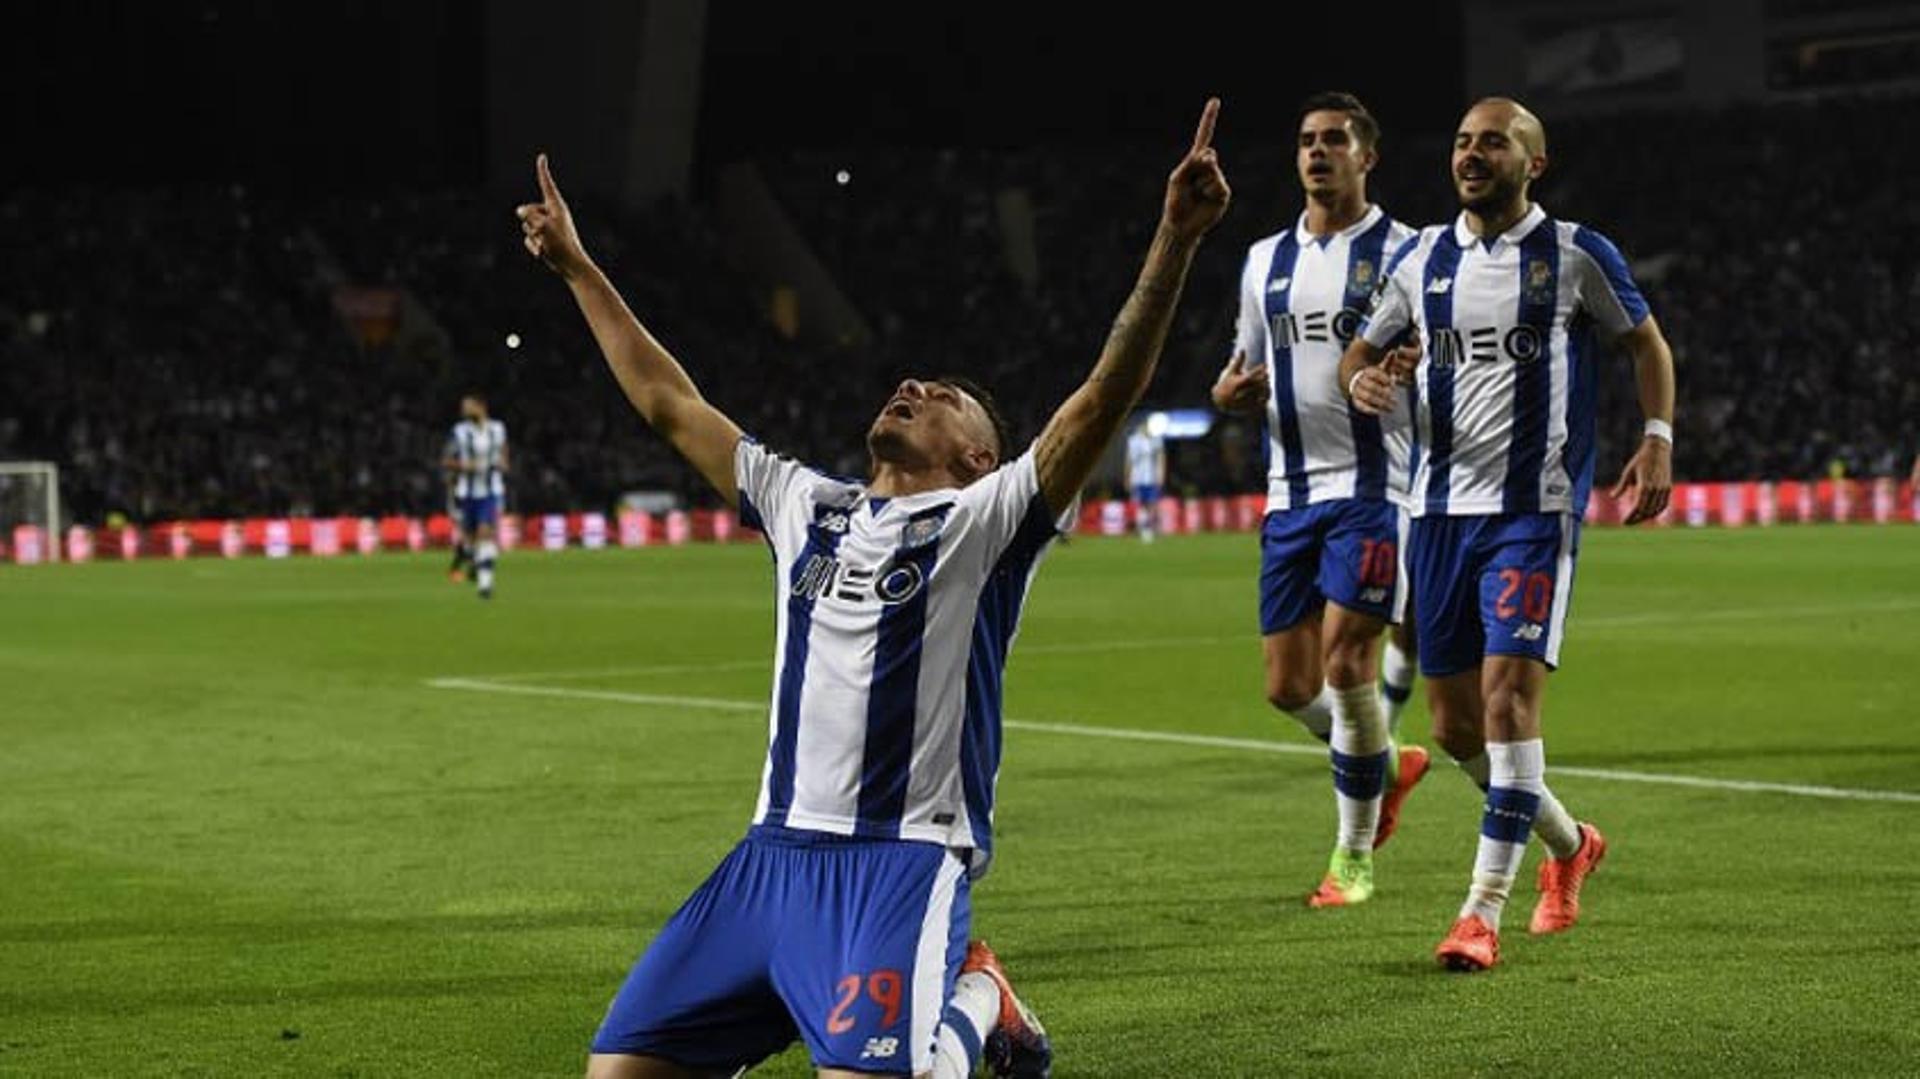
x=1329 y=573
x=478 y=459
x=1146 y=475
x=1504 y=300
x=841 y=919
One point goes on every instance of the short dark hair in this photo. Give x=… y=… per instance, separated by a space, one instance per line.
x=1002 y=434
x=1364 y=125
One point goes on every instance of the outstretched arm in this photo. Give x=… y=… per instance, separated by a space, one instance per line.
x=653 y=380
x=1197 y=194
x=1649 y=472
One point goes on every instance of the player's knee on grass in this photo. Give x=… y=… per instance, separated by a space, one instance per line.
x=621 y=1066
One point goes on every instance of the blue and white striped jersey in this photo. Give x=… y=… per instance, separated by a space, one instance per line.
x=1504 y=395
x=1301 y=300
x=1146 y=459
x=483 y=444
x=895 y=617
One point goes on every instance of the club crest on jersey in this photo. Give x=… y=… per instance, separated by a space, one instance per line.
x=919 y=531
x=1539 y=282
x=1361 y=279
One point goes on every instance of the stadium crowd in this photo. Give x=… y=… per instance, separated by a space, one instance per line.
x=183 y=352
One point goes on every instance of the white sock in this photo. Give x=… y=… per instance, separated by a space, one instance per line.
x=972 y=1013
x=1557 y=829
x=1359 y=753
x=483 y=559
x=1516 y=780
x=1317 y=715
x=1396 y=683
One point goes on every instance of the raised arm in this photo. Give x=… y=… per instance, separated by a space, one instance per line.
x=1649 y=472
x=1197 y=194
x=653 y=380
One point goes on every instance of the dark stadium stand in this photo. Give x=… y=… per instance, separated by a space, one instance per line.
x=181 y=352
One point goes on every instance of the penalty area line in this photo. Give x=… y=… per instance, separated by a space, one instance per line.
x=1204 y=741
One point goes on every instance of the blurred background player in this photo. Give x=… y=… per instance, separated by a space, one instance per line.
x=478 y=461
x=1147 y=472
x=842 y=918
x=450 y=474
x=1329 y=575
x=1504 y=299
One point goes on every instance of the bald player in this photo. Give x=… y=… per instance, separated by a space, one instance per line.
x=1513 y=308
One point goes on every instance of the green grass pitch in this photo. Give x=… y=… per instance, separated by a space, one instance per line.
x=243 y=833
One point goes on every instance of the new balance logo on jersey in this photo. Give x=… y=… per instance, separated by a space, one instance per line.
x=1279 y=284
x=1529 y=632
x=833 y=522
x=1373 y=595
x=880 y=1048
x=1440 y=285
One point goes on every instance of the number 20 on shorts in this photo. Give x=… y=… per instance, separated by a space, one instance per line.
x=1535 y=592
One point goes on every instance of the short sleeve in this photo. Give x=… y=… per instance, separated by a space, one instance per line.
x=1605 y=286
x=766 y=482
x=1250 y=329
x=1010 y=512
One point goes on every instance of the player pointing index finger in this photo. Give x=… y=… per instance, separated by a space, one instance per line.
x=897 y=599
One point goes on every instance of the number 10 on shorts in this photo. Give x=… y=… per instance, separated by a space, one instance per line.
x=1379 y=563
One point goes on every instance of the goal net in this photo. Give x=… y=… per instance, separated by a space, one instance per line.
x=30 y=511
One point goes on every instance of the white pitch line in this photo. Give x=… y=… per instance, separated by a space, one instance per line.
x=1201 y=740
x=712 y=703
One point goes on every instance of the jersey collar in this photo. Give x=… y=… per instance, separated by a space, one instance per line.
x=1464 y=235
x=1367 y=221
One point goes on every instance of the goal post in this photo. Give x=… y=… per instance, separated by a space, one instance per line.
x=30 y=496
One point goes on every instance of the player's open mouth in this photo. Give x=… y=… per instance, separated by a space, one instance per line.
x=900 y=408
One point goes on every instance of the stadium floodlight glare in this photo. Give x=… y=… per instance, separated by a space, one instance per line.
x=30 y=495
x=513 y=340
x=843 y=177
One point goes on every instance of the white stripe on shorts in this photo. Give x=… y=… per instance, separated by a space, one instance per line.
x=1402 y=586
x=930 y=963
x=1562 y=590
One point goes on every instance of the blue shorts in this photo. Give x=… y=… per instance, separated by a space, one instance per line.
x=1146 y=494
x=475 y=512
x=1491 y=586
x=1347 y=551
x=851 y=945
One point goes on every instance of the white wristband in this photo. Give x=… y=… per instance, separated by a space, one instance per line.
x=1661 y=430
x=1352 y=381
